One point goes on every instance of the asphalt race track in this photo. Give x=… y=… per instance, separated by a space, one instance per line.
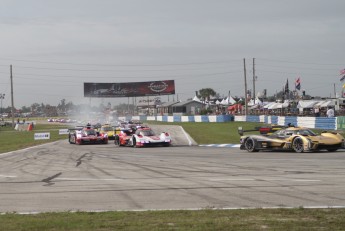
x=64 y=177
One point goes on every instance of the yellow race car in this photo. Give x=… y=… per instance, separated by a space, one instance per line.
x=296 y=139
x=109 y=130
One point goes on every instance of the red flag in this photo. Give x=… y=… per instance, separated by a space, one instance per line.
x=298 y=83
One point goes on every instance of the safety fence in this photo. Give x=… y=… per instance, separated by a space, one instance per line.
x=310 y=122
x=178 y=118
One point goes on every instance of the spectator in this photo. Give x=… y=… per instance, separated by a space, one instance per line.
x=330 y=112
x=317 y=111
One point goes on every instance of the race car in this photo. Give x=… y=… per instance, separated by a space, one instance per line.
x=123 y=137
x=296 y=139
x=86 y=135
x=107 y=129
x=143 y=137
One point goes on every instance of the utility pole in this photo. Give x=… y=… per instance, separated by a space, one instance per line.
x=12 y=108
x=335 y=94
x=229 y=98
x=254 y=80
x=2 y=96
x=245 y=88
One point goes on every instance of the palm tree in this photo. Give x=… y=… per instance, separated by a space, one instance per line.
x=206 y=93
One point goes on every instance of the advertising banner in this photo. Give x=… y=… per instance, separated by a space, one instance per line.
x=42 y=136
x=129 y=89
x=63 y=131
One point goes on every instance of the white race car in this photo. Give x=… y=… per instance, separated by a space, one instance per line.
x=146 y=137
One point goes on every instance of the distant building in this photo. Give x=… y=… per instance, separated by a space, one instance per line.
x=166 y=108
x=190 y=107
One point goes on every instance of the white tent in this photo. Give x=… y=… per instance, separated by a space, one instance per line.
x=228 y=101
x=306 y=104
x=285 y=104
x=196 y=99
x=275 y=106
x=257 y=101
x=269 y=104
x=318 y=104
x=327 y=104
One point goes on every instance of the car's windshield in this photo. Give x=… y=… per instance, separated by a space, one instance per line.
x=285 y=132
x=90 y=132
x=146 y=133
x=305 y=132
x=128 y=132
x=107 y=129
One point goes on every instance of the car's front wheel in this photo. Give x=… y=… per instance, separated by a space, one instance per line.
x=135 y=143
x=117 y=141
x=250 y=145
x=297 y=145
x=71 y=139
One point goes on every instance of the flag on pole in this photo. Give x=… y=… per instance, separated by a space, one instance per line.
x=342 y=74
x=298 y=84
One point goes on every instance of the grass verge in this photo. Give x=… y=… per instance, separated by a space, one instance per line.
x=213 y=133
x=11 y=140
x=207 y=219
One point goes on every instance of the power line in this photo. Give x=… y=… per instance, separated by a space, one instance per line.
x=121 y=65
x=294 y=62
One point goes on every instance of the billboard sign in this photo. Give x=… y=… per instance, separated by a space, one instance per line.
x=129 y=89
x=42 y=136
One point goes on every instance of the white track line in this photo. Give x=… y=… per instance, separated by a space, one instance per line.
x=187 y=136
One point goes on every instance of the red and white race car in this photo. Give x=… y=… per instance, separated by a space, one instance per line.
x=86 y=135
x=142 y=137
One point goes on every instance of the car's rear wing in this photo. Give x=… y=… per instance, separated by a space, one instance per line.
x=76 y=128
x=264 y=130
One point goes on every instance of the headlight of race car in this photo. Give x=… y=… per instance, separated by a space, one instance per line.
x=310 y=143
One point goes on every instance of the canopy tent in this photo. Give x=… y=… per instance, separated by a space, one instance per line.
x=196 y=99
x=286 y=104
x=274 y=105
x=269 y=104
x=257 y=101
x=306 y=104
x=255 y=106
x=327 y=103
x=228 y=101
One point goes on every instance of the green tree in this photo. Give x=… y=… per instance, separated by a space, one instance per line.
x=206 y=93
